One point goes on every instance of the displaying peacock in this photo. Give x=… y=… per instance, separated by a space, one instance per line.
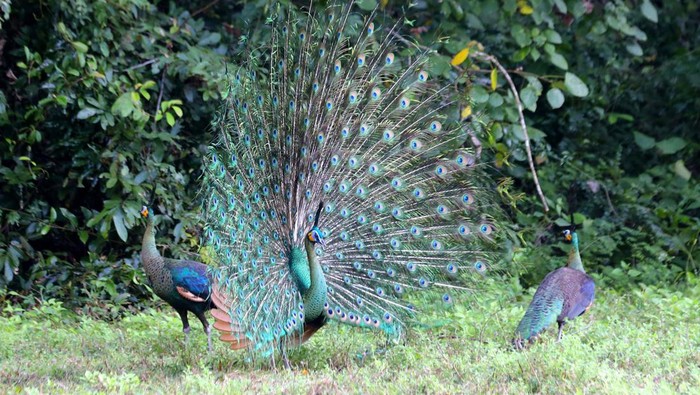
x=183 y=284
x=564 y=294
x=337 y=185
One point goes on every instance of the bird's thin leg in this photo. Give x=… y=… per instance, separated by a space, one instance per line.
x=286 y=360
x=185 y=324
x=561 y=327
x=207 y=329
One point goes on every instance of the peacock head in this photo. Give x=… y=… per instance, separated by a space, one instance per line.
x=316 y=236
x=570 y=231
x=145 y=212
x=568 y=234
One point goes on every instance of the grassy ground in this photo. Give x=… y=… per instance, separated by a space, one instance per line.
x=645 y=341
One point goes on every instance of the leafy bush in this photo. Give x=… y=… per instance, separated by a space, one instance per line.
x=105 y=102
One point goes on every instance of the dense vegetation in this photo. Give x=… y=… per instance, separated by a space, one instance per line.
x=103 y=102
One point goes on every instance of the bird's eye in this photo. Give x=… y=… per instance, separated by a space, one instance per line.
x=567 y=232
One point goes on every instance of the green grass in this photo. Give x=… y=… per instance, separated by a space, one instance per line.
x=645 y=341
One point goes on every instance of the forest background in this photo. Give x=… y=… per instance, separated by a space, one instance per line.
x=101 y=102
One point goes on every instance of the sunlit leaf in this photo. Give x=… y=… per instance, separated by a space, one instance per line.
x=460 y=57
x=494 y=79
x=526 y=9
x=466 y=112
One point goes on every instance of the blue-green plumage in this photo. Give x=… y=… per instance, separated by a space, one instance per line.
x=338 y=184
x=564 y=294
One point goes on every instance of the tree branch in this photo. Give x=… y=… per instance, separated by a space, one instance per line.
x=206 y=7
x=521 y=115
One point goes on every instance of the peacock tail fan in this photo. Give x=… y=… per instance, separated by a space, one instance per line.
x=330 y=112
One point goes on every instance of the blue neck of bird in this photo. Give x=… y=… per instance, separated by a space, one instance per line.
x=574 y=261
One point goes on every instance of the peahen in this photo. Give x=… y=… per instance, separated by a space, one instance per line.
x=183 y=284
x=337 y=185
x=564 y=294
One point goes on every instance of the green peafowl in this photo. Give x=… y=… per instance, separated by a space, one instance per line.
x=565 y=293
x=337 y=185
x=185 y=285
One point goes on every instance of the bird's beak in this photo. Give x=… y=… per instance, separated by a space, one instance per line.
x=568 y=237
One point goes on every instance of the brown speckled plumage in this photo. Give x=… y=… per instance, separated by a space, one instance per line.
x=183 y=284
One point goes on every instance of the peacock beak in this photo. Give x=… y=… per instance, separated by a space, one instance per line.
x=568 y=237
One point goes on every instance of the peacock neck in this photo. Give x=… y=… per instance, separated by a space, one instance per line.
x=150 y=257
x=308 y=274
x=574 y=255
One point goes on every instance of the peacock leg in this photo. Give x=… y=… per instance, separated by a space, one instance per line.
x=561 y=327
x=286 y=360
x=207 y=329
x=185 y=324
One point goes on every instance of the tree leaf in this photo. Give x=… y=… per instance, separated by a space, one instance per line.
x=559 y=61
x=561 y=6
x=479 y=94
x=9 y=274
x=86 y=113
x=555 y=97
x=495 y=100
x=681 y=170
x=671 y=145
x=466 y=112
x=552 y=36
x=529 y=98
x=521 y=36
x=643 y=141
x=80 y=47
x=170 y=119
x=634 y=49
x=123 y=106
x=494 y=79
x=649 y=11
x=367 y=5
x=574 y=85
x=460 y=57
x=526 y=9
x=83 y=235
x=118 y=219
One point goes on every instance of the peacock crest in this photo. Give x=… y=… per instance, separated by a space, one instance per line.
x=338 y=184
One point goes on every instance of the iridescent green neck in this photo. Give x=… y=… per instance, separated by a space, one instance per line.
x=308 y=274
x=574 y=261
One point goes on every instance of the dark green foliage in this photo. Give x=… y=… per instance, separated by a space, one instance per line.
x=98 y=99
